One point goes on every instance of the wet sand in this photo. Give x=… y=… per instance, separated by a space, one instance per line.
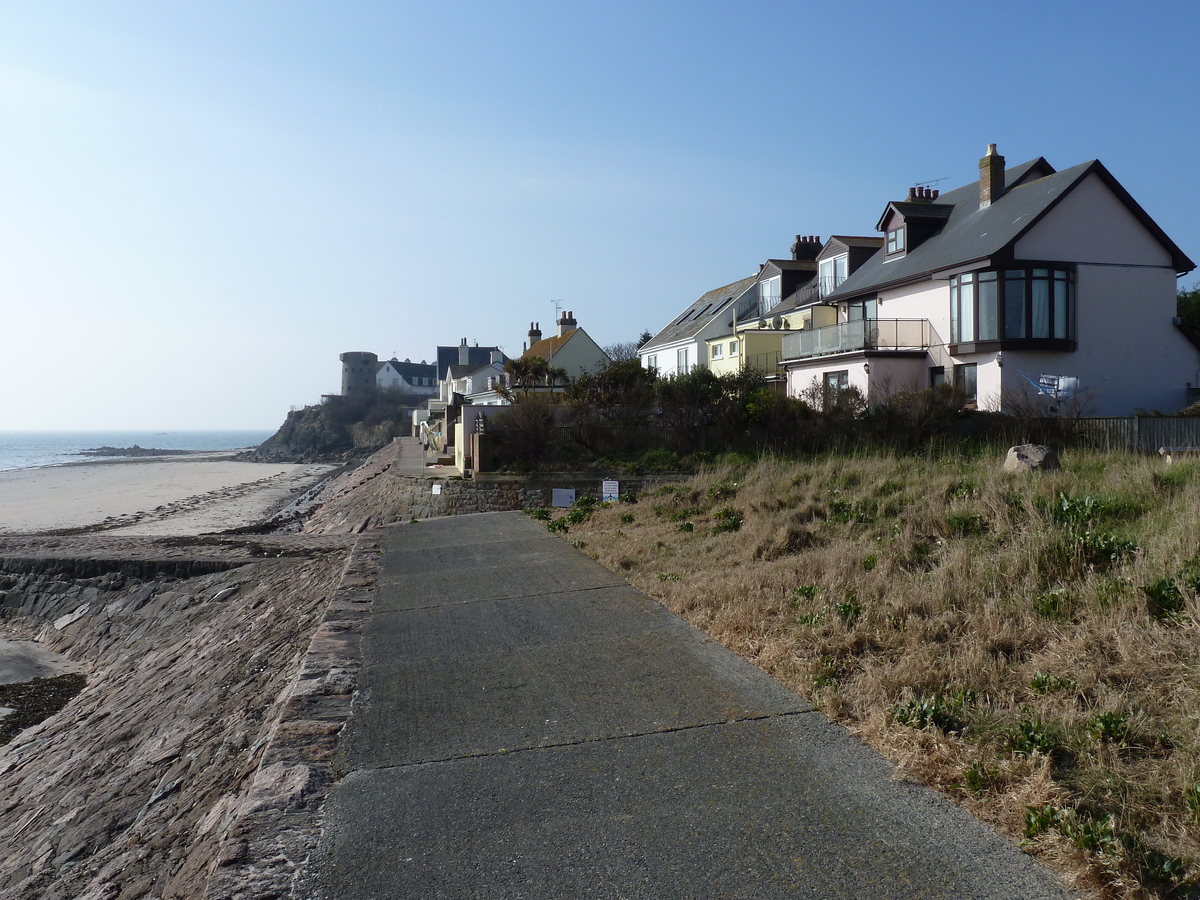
x=185 y=495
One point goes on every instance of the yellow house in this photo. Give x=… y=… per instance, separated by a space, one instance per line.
x=758 y=343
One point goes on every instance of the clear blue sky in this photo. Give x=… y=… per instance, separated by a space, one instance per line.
x=203 y=203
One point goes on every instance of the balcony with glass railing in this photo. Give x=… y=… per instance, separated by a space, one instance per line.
x=861 y=334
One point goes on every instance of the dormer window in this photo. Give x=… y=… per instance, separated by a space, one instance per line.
x=769 y=292
x=895 y=241
x=832 y=272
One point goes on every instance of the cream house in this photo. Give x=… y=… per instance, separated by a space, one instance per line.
x=1028 y=282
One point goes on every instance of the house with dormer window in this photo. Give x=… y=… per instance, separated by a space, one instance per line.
x=1029 y=281
x=407 y=377
x=683 y=344
x=790 y=296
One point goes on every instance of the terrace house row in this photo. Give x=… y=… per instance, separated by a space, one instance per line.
x=1027 y=281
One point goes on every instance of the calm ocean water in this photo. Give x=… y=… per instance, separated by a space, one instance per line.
x=28 y=449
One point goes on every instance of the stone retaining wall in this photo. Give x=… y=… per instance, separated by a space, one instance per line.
x=375 y=496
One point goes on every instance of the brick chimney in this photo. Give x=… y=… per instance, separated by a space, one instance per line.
x=566 y=323
x=535 y=332
x=991 y=177
x=806 y=246
x=921 y=195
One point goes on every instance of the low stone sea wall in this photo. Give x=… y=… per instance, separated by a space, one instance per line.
x=193 y=651
x=380 y=493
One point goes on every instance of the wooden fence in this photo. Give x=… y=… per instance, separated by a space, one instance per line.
x=1136 y=434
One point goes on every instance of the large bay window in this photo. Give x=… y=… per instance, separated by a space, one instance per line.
x=1013 y=305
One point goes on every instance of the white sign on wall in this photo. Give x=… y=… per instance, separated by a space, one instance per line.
x=437 y=488
x=563 y=496
x=610 y=491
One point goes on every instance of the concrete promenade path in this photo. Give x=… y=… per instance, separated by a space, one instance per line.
x=530 y=726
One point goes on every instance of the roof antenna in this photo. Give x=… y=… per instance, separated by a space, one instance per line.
x=557 y=306
x=929 y=183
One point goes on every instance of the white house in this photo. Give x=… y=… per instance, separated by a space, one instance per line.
x=408 y=377
x=1027 y=283
x=683 y=344
x=571 y=349
x=474 y=381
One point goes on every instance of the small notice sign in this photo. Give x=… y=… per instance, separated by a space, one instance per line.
x=563 y=496
x=610 y=491
x=437 y=488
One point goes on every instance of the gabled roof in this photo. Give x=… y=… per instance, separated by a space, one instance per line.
x=408 y=369
x=937 y=211
x=700 y=313
x=457 y=371
x=794 y=265
x=971 y=234
x=851 y=240
x=547 y=347
x=448 y=356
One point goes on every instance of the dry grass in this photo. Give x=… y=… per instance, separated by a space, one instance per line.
x=1026 y=644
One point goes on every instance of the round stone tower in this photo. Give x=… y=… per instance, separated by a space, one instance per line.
x=358 y=372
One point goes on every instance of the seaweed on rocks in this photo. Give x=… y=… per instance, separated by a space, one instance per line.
x=34 y=701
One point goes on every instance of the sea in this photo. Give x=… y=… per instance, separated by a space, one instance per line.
x=31 y=449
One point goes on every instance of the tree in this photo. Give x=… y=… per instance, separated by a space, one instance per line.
x=527 y=373
x=1187 y=306
x=644 y=339
x=621 y=350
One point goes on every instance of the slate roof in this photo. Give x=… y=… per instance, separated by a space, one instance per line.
x=971 y=234
x=855 y=240
x=457 y=371
x=794 y=265
x=409 y=370
x=700 y=313
x=448 y=356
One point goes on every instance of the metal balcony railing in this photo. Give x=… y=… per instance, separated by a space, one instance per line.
x=862 y=334
x=816 y=290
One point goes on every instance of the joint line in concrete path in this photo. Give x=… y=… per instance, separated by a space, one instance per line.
x=559 y=745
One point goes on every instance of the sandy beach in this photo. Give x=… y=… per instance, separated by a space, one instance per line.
x=183 y=495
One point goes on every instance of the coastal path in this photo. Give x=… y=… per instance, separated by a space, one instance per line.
x=530 y=726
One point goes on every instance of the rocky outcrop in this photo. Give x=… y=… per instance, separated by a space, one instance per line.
x=338 y=430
